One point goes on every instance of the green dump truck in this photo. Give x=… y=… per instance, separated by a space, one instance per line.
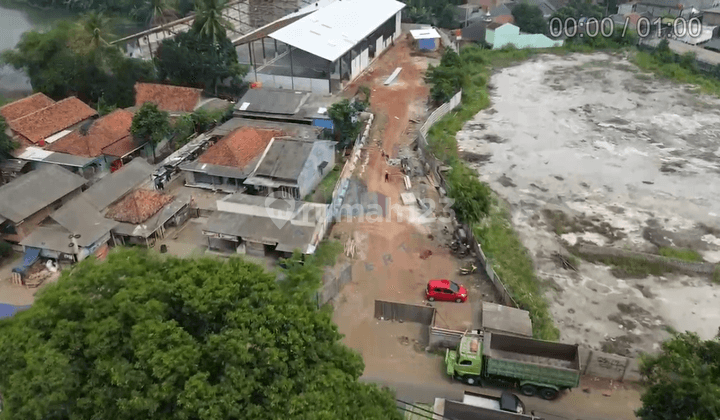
x=534 y=366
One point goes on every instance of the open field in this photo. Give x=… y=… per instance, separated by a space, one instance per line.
x=588 y=150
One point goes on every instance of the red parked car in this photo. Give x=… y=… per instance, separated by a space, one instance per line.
x=445 y=290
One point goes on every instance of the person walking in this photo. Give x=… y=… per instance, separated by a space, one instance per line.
x=387 y=176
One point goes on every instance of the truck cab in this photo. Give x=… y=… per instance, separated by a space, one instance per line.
x=465 y=363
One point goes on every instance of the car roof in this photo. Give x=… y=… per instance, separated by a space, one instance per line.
x=437 y=282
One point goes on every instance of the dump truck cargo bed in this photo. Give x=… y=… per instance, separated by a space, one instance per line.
x=532 y=360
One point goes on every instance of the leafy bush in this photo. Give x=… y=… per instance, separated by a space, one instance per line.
x=472 y=197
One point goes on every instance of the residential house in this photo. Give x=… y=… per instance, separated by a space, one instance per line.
x=29 y=199
x=711 y=17
x=176 y=100
x=292 y=167
x=121 y=207
x=500 y=36
x=286 y=106
x=107 y=141
x=226 y=164
x=37 y=122
x=684 y=8
x=37 y=119
x=473 y=33
x=502 y=14
x=248 y=224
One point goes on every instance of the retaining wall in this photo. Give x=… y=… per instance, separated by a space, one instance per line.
x=405 y=312
x=333 y=281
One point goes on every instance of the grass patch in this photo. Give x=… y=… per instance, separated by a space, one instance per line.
x=323 y=192
x=629 y=266
x=683 y=254
x=683 y=71
x=327 y=252
x=511 y=261
x=716 y=274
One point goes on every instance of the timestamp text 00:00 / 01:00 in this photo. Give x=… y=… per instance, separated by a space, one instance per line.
x=606 y=27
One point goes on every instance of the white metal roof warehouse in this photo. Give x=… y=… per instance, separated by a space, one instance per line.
x=334 y=29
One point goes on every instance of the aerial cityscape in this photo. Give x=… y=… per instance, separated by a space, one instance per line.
x=360 y=209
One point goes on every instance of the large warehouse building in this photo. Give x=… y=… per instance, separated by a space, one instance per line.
x=322 y=51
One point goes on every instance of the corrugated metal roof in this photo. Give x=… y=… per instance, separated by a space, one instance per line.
x=284 y=159
x=81 y=218
x=53 y=238
x=428 y=33
x=37 y=154
x=114 y=186
x=272 y=101
x=35 y=190
x=333 y=30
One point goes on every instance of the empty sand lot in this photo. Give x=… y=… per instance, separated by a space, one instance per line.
x=623 y=160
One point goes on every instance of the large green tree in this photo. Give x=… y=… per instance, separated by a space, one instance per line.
x=577 y=9
x=682 y=380
x=68 y=61
x=447 y=78
x=472 y=198
x=193 y=60
x=145 y=337
x=529 y=18
x=150 y=124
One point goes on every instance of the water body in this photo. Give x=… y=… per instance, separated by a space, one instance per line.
x=15 y=19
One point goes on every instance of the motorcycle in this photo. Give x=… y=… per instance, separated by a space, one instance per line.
x=464 y=271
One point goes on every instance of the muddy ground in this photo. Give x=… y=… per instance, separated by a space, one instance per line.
x=588 y=149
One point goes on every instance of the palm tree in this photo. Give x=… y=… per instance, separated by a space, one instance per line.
x=209 y=21
x=157 y=12
x=95 y=29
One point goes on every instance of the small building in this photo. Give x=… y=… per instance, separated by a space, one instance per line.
x=502 y=14
x=107 y=141
x=426 y=39
x=286 y=106
x=176 y=100
x=254 y=225
x=501 y=35
x=28 y=200
x=292 y=167
x=38 y=120
x=226 y=164
x=505 y=320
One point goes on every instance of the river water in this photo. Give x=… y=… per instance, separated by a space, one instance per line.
x=14 y=20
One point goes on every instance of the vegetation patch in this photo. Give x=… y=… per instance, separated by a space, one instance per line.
x=511 y=261
x=323 y=192
x=684 y=254
x=629 y=266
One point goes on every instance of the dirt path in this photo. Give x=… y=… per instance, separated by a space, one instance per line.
x=388 y=264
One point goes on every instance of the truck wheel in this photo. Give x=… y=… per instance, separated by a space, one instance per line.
x=431 y=299
x=471 y=380
x=528 y=390
x=548 y=393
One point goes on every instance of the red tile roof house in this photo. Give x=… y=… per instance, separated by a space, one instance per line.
x=108 y=141
x=227 y=163
x=37 y=121
x=176 y=100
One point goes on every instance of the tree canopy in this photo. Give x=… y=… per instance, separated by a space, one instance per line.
x=432 y=12
x=150 y=124
x=529 y=18
x=577 y=9
x=683 y=380
x=142 y=336
x=74 y=59
x=447 y=78
x=194 y=60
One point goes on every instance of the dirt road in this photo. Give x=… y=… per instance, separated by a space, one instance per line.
x=395 y=258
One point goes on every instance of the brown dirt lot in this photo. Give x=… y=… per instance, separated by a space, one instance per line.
x=387 y=263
